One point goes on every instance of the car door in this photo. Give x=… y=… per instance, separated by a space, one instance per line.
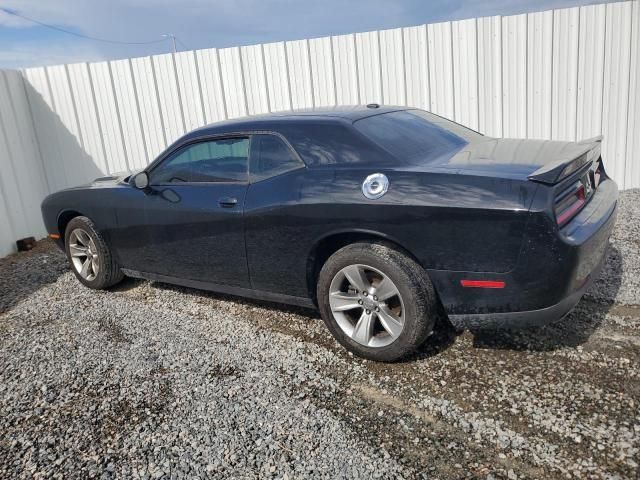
x=193 y=212
x=272 y=217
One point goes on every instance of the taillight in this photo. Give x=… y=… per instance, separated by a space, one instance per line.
x=597 y=175
x=570 y=202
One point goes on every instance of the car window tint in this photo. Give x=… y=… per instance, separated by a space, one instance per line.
x=333 y=144
x=410 y=136
x=223 y=160
x=460 y=130
x=270 y=156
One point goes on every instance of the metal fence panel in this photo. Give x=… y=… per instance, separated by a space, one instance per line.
x=322 y=71
x=616 y=89
x=346 y=70
x=23 y=183
x=416 y=63
x=109 y=116
x=465 y=72
x=539 y=69
x=255 y=79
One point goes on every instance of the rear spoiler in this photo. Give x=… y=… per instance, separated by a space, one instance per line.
x=562 y=167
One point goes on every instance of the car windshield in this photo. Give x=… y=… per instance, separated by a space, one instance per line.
x=415 y=135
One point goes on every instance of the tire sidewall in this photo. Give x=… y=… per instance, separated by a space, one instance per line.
x=414 y=290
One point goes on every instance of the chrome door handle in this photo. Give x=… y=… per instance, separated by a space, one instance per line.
x=228 y=202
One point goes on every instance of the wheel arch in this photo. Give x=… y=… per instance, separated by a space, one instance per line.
x=64 y=218
x=331 y=242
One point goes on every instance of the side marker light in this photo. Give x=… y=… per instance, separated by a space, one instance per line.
x=482 y=283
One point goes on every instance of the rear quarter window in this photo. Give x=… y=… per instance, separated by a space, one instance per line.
x=269 y=157
x=414 y=135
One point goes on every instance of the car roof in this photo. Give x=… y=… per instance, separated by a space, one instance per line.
x=343 y=113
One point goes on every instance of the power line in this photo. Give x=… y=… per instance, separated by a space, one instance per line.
x=182 y=43
x=173 y=40
x=53 y=27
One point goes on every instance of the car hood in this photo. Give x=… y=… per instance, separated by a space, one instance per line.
x=112 y=179
x=508 y=157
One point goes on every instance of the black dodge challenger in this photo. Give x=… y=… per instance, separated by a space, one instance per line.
x=381 y=217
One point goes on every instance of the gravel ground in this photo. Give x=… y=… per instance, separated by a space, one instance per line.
x=153 y=381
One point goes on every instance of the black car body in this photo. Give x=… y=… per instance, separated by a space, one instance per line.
x=507 y=230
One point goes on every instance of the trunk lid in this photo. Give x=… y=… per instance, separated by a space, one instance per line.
x=546 y=161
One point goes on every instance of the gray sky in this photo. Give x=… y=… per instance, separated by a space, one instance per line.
x=214 y=23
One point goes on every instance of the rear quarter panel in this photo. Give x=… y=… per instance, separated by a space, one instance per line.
x=447 y=221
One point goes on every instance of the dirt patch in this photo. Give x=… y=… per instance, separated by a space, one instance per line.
x=113 y=329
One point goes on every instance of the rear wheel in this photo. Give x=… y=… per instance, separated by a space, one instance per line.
x=376 y=301
x=89 y=255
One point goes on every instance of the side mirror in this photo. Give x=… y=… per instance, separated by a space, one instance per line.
x=141 y=180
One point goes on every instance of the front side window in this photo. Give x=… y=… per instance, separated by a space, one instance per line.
x=270 y=156
x=220 y=160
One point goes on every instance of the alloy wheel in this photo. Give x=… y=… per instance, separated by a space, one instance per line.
x=84 y=254
x=367 y=305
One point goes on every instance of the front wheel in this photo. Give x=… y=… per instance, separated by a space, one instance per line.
x=89 y=255
x=376 y=301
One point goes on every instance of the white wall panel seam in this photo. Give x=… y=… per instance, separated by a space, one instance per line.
x=428 y=63
x=553 y=72
x=355 y=50
x=380 y=75
x=180 y=103
x=266 y=78
x=577 y=84
x=62 y=169
x=199 y=83
x=243 y=83
x=333 y=72
x=136 y=98
x=604 y=75
x=453 y=70
x=157 y=97
x=501 y=56
x=74 y=106
x=222 y=88
x=526 y=73
x=35 y=133
x=404 y=66
x=629 y=110
x=287 y=70
x=98 y=121
x=117 y=109
x=475 y=21
x=10 y=161
x=310 y=66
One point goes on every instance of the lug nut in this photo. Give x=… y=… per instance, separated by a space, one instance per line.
x=368 y=311
x=375 y=298
x=365 y=294
x=360 y=302
x=377 y=309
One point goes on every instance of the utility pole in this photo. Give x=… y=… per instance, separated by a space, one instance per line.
x=173 y=39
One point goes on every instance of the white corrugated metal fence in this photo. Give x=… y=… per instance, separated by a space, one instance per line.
x=563 y=74
x=22 y=181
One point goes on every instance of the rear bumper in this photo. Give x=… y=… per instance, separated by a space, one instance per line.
x=527 y=318
x=554 y=271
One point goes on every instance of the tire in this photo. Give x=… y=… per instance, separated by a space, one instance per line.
x=103 y=271
x=415 y=307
